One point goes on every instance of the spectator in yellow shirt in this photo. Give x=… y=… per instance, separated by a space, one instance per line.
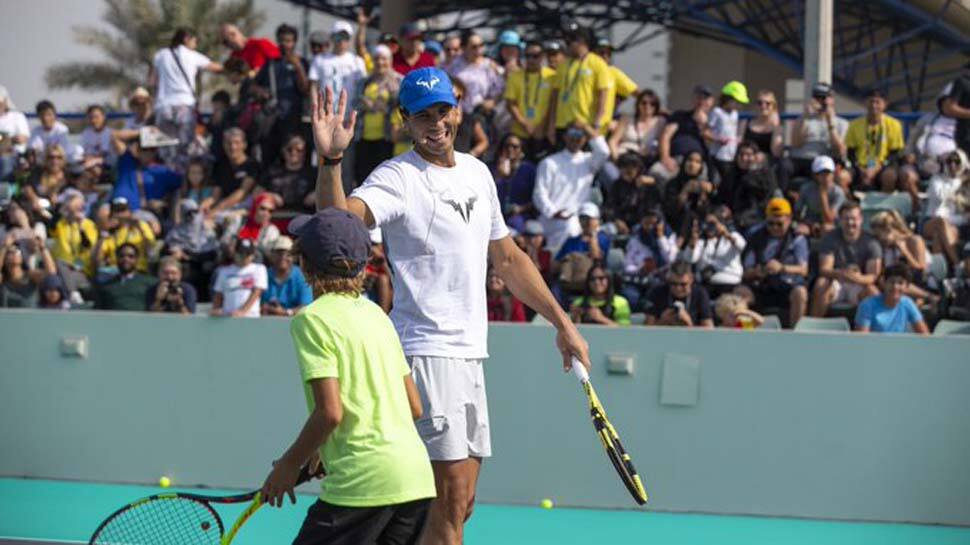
x=527 y=95
x=74 y=236
x=376 y=100
x=623 y=85
x=582 y=87
x=875 y=144
x=123 y=228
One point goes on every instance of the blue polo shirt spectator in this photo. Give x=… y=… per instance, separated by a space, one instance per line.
x=158 y=181
x=287 y=290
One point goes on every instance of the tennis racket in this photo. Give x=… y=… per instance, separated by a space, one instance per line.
x=610 y=439
x=178 y=518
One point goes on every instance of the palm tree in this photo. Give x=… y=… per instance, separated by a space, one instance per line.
x=139 y=29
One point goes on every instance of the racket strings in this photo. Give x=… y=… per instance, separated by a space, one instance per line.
x=162 y=521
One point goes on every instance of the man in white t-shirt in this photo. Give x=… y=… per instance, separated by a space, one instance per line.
x=96 y=137
x=50 y=131
x=239 y=287
x=340 y=69
x=442 y=223
x=173 y=75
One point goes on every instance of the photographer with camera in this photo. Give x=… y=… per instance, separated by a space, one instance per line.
x=170 y=294
x=679 y=301
x=819 y=132
x=714 y=248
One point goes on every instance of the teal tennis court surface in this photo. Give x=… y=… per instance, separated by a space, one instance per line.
x=41 y=512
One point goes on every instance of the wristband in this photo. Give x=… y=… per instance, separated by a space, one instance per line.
x=331 y=161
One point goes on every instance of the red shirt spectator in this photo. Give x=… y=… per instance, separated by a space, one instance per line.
x=502 y=306
x=257 y=51
x=402 y=67
x=410 y=55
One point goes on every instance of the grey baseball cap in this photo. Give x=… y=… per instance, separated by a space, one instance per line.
x=331 y=238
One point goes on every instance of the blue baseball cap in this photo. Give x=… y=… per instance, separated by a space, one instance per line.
x=331 y=240
x=423 y=87
x=509 y=37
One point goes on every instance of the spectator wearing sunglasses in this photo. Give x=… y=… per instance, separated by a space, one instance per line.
x=679 y=301
x=527 y=94
x=287 y=291
x=776 y=262
x=948 y=206
x=480 y=75
x=515 y=180
x=292 y=178
x=126 y=290
x=599 y=303
x=582 y=89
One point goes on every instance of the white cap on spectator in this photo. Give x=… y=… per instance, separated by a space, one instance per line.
x=140 y=93
x=376 y=237
x=342 y=26
x=823 y=163
x=282 y=244
x=589 y=210
x=381 y=50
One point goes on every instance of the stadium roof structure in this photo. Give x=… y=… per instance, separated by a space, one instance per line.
x=907 y=48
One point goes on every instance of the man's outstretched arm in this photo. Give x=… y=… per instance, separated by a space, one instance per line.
x=332 y=134
x=526 y=283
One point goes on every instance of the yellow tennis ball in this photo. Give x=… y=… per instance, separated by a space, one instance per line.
x=164 y=482
x=546 y=503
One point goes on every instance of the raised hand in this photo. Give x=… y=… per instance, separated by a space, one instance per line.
x=332 y=131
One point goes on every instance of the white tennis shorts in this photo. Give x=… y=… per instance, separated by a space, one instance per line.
x=454 y=419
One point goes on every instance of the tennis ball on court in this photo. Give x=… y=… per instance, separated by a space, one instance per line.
x=546 y=503
x=164 y=482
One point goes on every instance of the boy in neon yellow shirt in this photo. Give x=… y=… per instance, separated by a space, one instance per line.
x=361 y=397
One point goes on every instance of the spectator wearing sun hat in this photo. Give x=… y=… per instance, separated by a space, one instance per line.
x=287 y=290
x=509 y=51
x=776 y=262
x=722 y=125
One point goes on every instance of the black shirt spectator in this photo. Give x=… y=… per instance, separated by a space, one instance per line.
x=747 y=187
x=629 y=197
x=292 y=178
x=687 y=137
x=170 y=294
x=959 y=95
x=679 y=301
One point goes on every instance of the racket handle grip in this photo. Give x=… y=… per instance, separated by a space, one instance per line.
x=580 y=370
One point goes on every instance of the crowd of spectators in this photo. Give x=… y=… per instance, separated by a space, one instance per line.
x=696 y=217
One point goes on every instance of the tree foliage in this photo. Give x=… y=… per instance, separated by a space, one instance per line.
x=136 y=29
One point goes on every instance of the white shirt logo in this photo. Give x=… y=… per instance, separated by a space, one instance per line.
x=429 y=84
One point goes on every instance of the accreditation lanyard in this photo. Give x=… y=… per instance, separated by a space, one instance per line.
x=571 y=85
x=531 y=95
x=874 y=140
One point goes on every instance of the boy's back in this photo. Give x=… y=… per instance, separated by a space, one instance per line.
x=374 y=457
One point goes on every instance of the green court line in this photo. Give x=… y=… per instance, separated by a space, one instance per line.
x=69 y=511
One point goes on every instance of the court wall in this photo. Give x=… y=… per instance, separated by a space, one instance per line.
x=769 y=423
